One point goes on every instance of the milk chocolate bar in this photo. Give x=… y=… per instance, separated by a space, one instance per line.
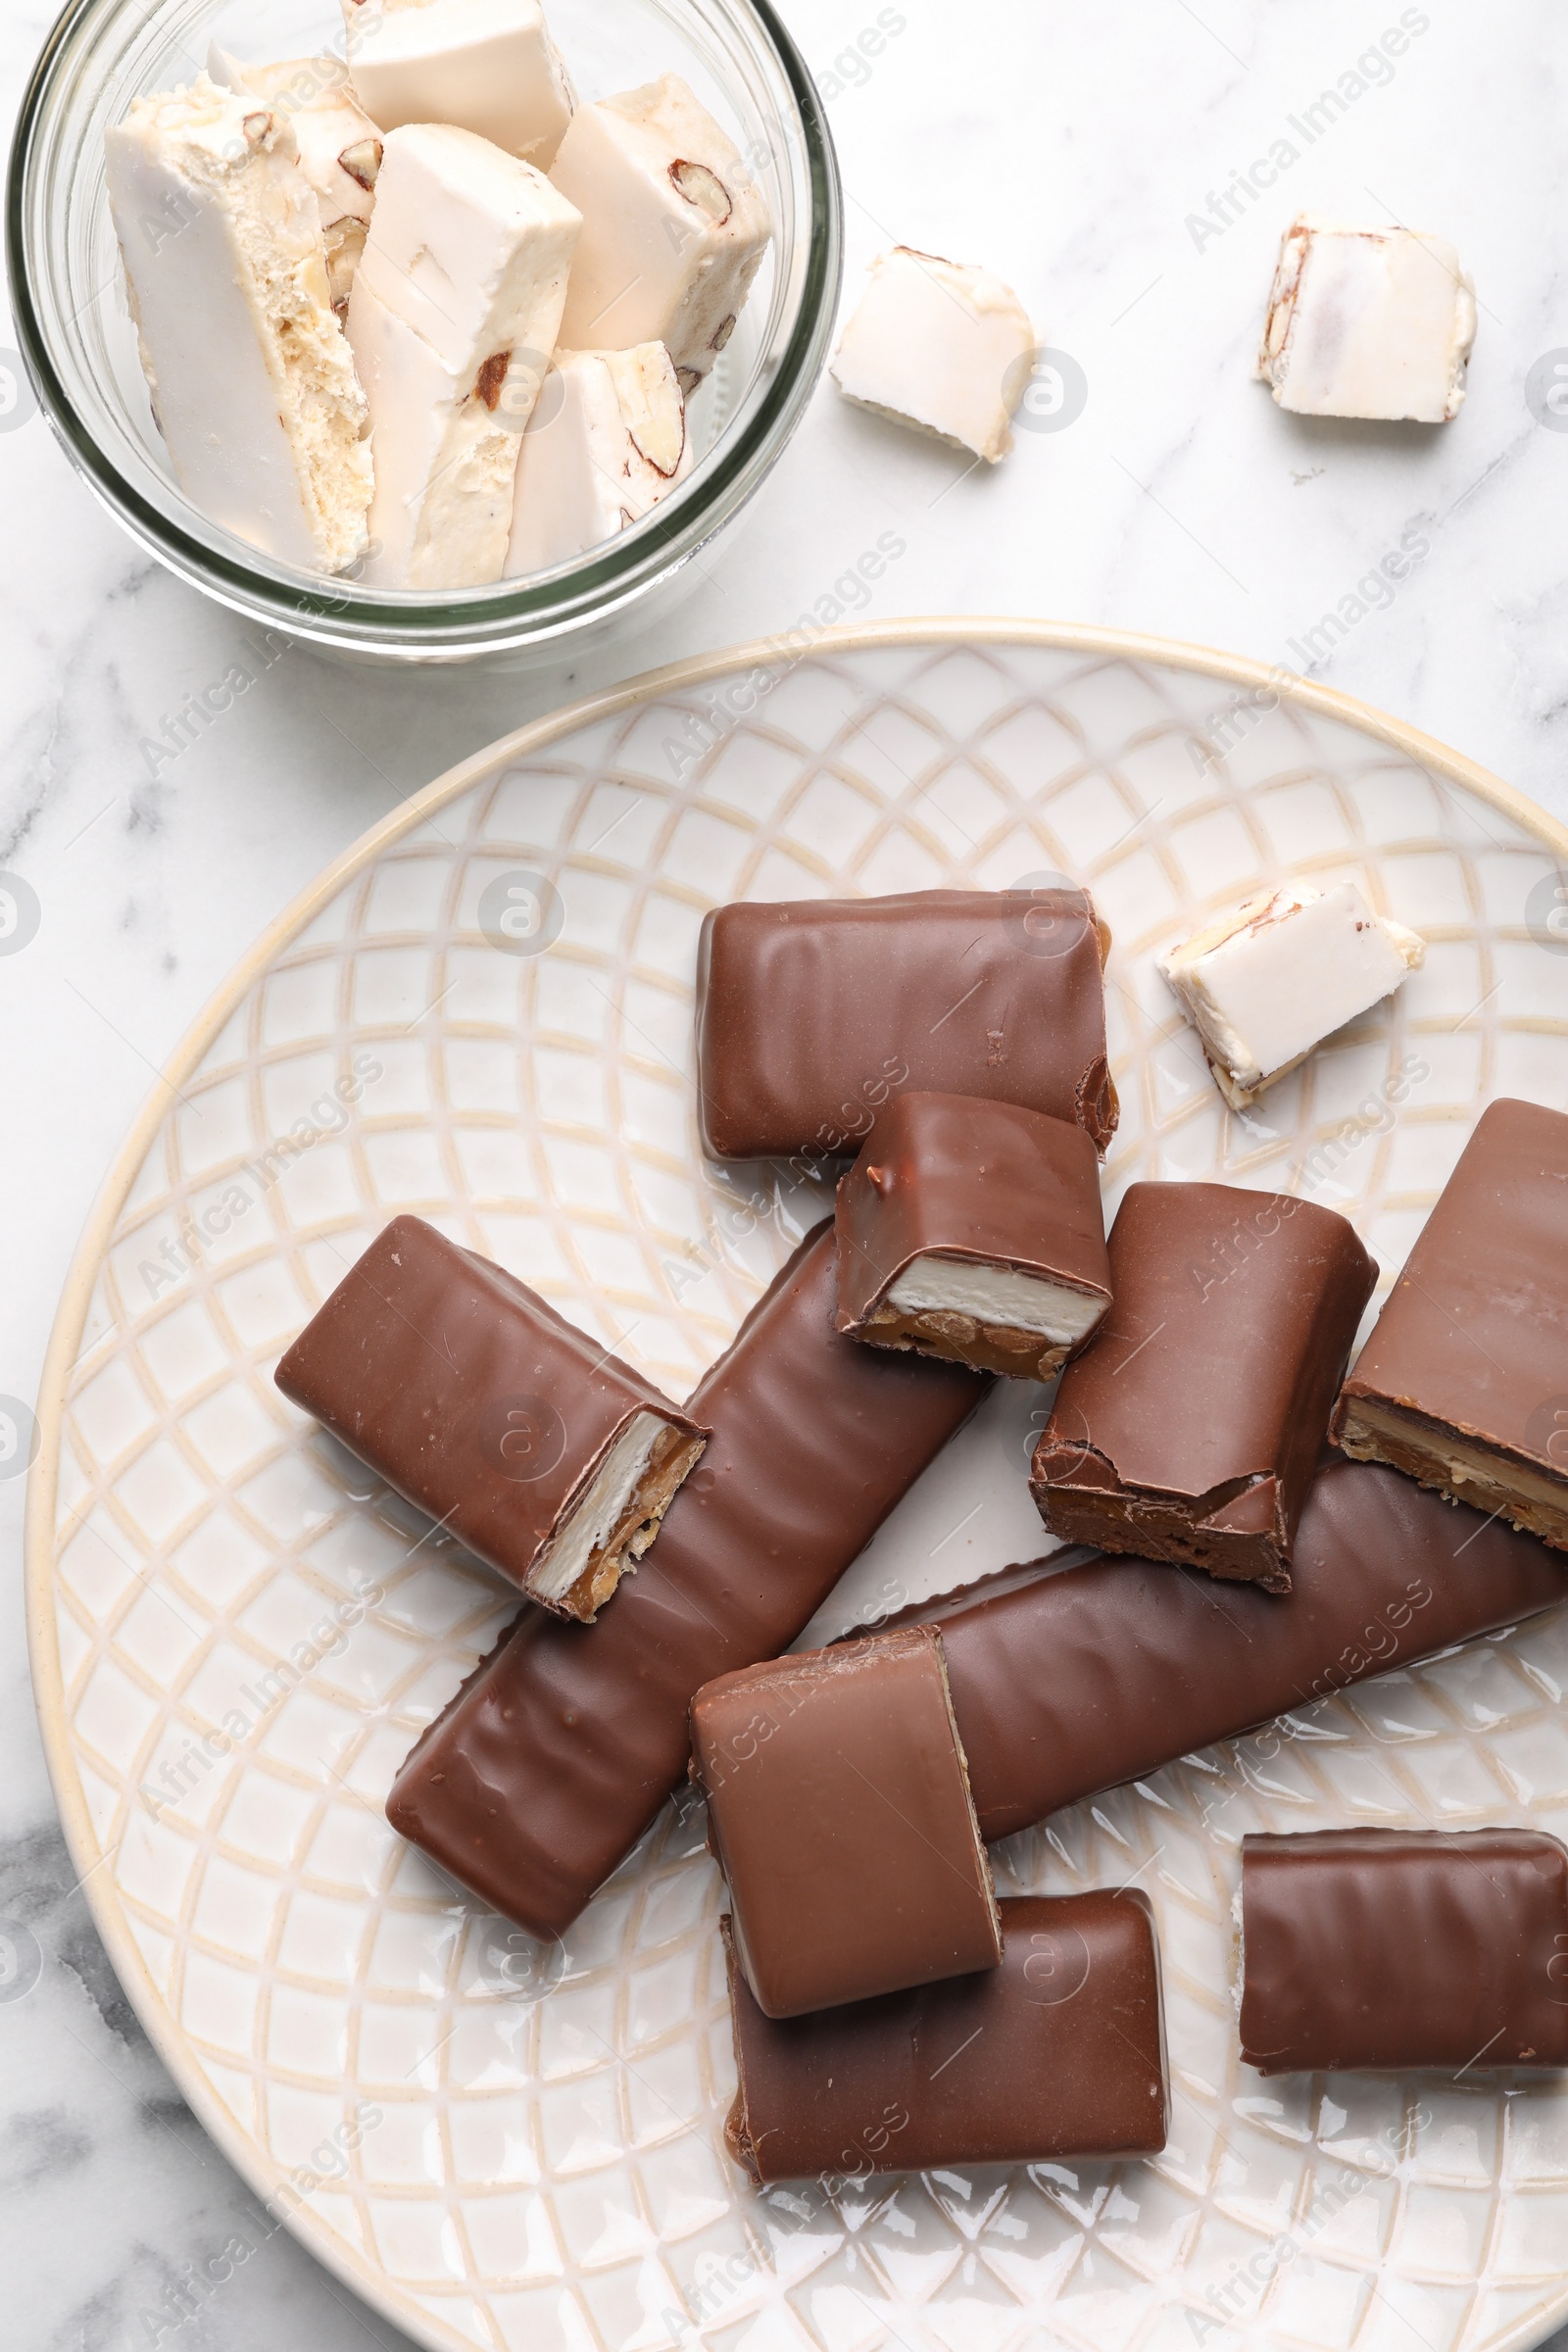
x=1464 y=1381
x=544 y=1454
x=812 y=1015
x=973 y=1230
x=1384 y=1950
x=1189 y=1430
x=839 y=1815
x=1059 y=2052
x=556 y=1753
x=1070 y=1679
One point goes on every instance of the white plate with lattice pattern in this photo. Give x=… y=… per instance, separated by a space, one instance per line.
x=483 y=1014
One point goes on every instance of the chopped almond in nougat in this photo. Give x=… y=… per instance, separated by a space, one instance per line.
x=673 y=227
x=606 y=442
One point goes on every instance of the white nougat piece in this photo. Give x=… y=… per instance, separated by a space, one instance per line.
x=1000 y=1297
x=938 y=346
x=486 y=66
x=1265 y=984
x=339 y=147
x=601 y=1510
x=606 y=442
x=251 y=383
x=1372 y=323
x=455 y=312
x=673 y=227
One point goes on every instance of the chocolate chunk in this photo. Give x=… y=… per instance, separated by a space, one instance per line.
x=1059 y=2052
x=559 y=1750
x=812 y=1015
x=1464 y=1381
x=839 y=1815
x=1382 y=1950
x=1189 y=1430
x=547 y=1456
x=1070 y=1679
x=973 y=1230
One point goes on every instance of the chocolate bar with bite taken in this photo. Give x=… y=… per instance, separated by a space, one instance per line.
x=1189 y=1430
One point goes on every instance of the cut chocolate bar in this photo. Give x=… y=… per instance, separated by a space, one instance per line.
x=1464 y=1381
x=546 y=1455
x=1073 y=1676
x=1190 y=1429
x=973 y=1230
x=839 y=1815
x=1382 y=1950
x=1059 y=2052
x=812 y=1015
x=556 y=1753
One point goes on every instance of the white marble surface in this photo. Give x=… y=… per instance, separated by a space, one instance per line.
x=1064 y=147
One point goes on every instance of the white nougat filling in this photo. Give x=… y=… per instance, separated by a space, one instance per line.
x=938 y=346
x=606 y=442
x=251 y=383
x=1002 y=1295
x=1268 y=983
x=455 y=310
x=599 y=1513
x=445 y=466
x=674 y=229
x=1370 y=322
x=471 y=246
x=486 y=66
x=339 y=147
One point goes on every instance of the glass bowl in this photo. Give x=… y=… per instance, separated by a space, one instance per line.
x=76 y=334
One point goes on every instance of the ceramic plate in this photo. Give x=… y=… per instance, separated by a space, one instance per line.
x=484 y=1014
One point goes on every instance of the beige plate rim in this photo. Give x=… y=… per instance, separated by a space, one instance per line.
x=269 y=2181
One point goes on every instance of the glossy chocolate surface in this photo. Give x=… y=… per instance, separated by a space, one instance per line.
x=1384 y=1950
x=1472 y=1343
x=812 y=1013
x=1069 y=1679
x=1189 y=1427
x=984 y=1182
x=1059 y=2052
x=839 y=1815
x=559 y=1750
x=468 y=1394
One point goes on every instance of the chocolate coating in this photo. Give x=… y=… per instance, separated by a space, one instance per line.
x=1074 y=1678
x=469 y=1396
x=839 y=1815
x=1059 y=2052
x=811 y=1014
x=1189 y=1430
x=983 y=1182
x=546 y=1768
x=1390 y=1950
x=1464 y=1381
